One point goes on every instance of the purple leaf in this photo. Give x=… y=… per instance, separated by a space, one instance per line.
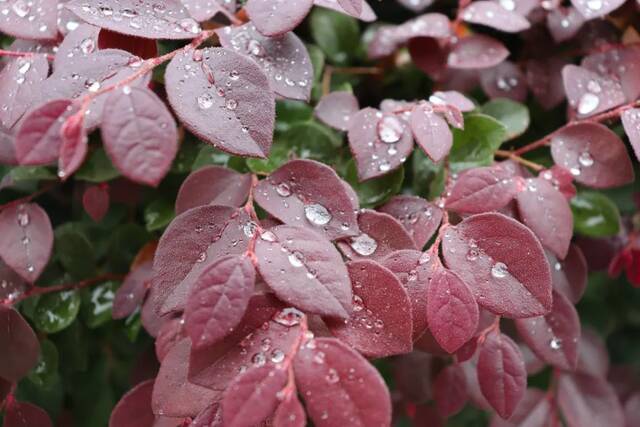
x=418 y=216
x=483 y=189
x=591 y=9
x=274 y=18
x=534 y=410
x=7 y=149
x=219 y=299
x=340 y=387
x=74 y=146
x=27 y=239
x=310 y=194
x=587 y=400
x=79 y=43
x=494 y=15
x=379 y=142
x=19 y=83
x=570 y=274
x=13 y=286
x=477 y=51
x=132 y=291
x=95 y=201
x=284 y=59
x=352 y=7
x=631 y=122
x=213 y=185
x=380 y=234
x=589 y=93
x=20 y=345
x=142 y=48
x=304 y=270
x=225 y=100
x=366 y=14
x=450 y=390
x=431 y=131
x=139 y=134
x=452 y=312
x=166 y=20
x=564 y=23
x=430 y=55
x=544 y=78
x=619 y=63
x=505 y=80
x=24 y=414
x=416 y=5
x=336 y=109
x=502 y=262
x=290 y=413
x=380 y=324
x=33 y=20
x=203 y=10
x=595 y=155
x=134 y=408
x=501 y=373
x=452 y=98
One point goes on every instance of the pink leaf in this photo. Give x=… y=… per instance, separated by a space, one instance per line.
x=618 y=63
x=366 y=13
x=24 y=414
x=132 y=291
x=276 y=18
x=431 y=132
x=505 y=80
x=564 y=23
x=534 y=410
x=418 y=216
x=454 y=99
x=482 y=189
x=352 y=7
x=134 y=408
x=416 y=5
x=589 y=93
x=74 y=145
x=213 y=185
x=450 y=390
x=492 y=14
x=13 y=286
x=35 y=20
x=336 y=109
x=19 y=84
x=290 y=413
x=142 y=48
x=570 y=274
x=502 y=262
x=596 y=9
x=340 y=387
x=20 y=345
x=587 y=400
x=631 y=122
x=501 y=373
x=477 y=51
x=77 y=44
x=226 y=100
x=209 y=417
x=95 y=201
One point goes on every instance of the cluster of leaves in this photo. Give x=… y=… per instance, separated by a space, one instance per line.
x=206 y=251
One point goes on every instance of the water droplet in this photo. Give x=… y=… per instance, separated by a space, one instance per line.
x=594 y=4
x=508 y=4
x=585 y=159
x=472 y=255
x=234 y=75
x=31 y=268
x=575 y=171
x=202 y=257
x=358 y=304
x=23 y=219
x=21 y=8
x=296 y=259
x=23 y=66
x=557 y=266
x=190 y=25
x=317 y=214
x=555 y=343
x=92 y=85
x=332 y=376
x=424 y=258
x=379 y=324
x=364 y=244
x=588 y=103
x=205 y=101
x=255 y=48
x=25 y=240
x=126 y=90
x=499 y=270
x=319 y=357
x=231 y=104
x=277 y=356
x=390 y=129
x=283 y=189
x=268 y=236
x=384 y=166
x=288 y=317
x=259 y=359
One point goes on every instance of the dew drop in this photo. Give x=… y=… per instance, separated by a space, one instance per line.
x=259 y=359
x=364 y=245
x=249 y=229
x=317 y=214
x=555 y=343
x=424 y=258
x=283 y=189
x=499 y=270
x=588 y=103
x=277 y=356
x=585 y=159
x=21 y=8
x=296 y=259
x=358 y=304
x=288 y=317
x=231 y=104
x=202 y=257
x=332 y=376
x=23 y=219
x=594 y=4
x=390 y=129
x=557 y=266
x=205 y=101
x=24 y=66
x=472 y=255
x=255 y=48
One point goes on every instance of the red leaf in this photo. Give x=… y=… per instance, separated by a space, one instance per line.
x=561 y=179
x=429 y=55
x=452 y=311
x=501 y=373
x=534 y=410
x=477 y=51
x=24 y=414
x=170 y=333
x=340 y=387
x=252 y=396
x=219 y=299
x=209 y=417
x=142 y=48
x=276 y=19
x=619 y=63
x=380 y=324
x=431 y=131
x=213 y=185
x=586 y=400
x=19 y=84
x=505 y=80
x=139 y=134
x=304 y=270
x=570 y=275
x=132 y=291
x=450 y=390
x=134 y=408
x=418 y=216
x=502 y=262
x=35 y=20
x=336 y=109
x=19 y=343
x=310 y=194
x=352 y=7
x=590 y=93
x=594 y=155
x=482 y=189
x=13 y=286
x=493 y=14
x=74 y=145
x=27 y=239
x=290 y=413
x=95 y=201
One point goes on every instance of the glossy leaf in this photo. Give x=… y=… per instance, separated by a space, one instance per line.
x=431 y=131
x=20 y=344
x=274 y=19
x=375 y=191
x=505 y=80
x=589 y=93
x=534 y=410
x=336 y=109
x=493 y=14
x=570 y=274
x=290 y=413
x=33 y=21
x=364 y=13
x=73 y=147
x=134 y=408
x=476 y=144
x=591 y=10
x=476 y=52
x=19 y=82
x=56 y=311
x=631 y=122
x=418 y=216
x=213 y=185
x=132 y=291
x=482 y=190
x=595 y=215
x=513 y=115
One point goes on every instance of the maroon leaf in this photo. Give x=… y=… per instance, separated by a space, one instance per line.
x=493 y=14
x=134 y=408
x=431 y=132
x=380 y=234
x=73 y=146
x=589 y=93
x=544 y=78
x=13 y=286
x=225 y=100
x=379 y=142
x=534 y=410
x=450 y=390
x=33 y=20
x=166 y=20
x=452 y=312
x=251 y=397
x=290 y=413
x=77 y=44
x=219 y=299
x=95 y=201
x=310 y=194
x=477 y=51
x=213 y=185
x=619 y=63
x=142 y=48
x=501 y=373
x=594 y=155
x=7 y=148
x=418 y=216
x=564 y=23
x=132 y=291
x=547 y=213
x=380 y=324
x=20 y=345
x=139 y=134
x=24 y=414
x=276 y=18
x=429 y=55
x=366 y=14
x=336 y=109
x=19 y=83
x=284 y=59
x=505 y=80
x=631 y=122
x=561 y=179
x=27 y=239
x=502 y=262
x=588 y=400
x=570 y=274
x=596 y=9
x=352 y=7
x=482 y=190
x=304 y=270
x=340 y=387
x=170 y=333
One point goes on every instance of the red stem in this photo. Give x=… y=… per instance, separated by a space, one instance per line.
x=15 y=54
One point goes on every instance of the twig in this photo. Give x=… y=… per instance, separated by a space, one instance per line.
x=14 y=54
x=41 y=290
x=330 y=70
x=513 y=156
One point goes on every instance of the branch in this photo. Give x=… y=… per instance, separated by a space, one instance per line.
x=513 y=156
x=40 y=290
x=330 y=70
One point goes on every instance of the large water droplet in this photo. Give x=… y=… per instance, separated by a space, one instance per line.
x=23 y=219
x=288 y=317
x=277 y=356
x=332 y=376
x=317 y=214
x=499 y=270
x=23 y=66
x=231 y=104
x=364 y=244
x=296 y=259
x=555 y=343
x=358 y=304
x=21 y=8
x=588 y=103
x=205 y=101
x=585 y=159
x=249 y=229
x=390 y=129
x=283 y=189
x=594 y=4
x=259 y=359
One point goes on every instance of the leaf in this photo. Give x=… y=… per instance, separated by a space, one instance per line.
x=492 y=14
x=375 y=191
x=546 y=212
x=416 y=5
x=476 y=51
x=134 y=408
x=132 y=291
x=142 y=48
x=97 y=304
x=352 y=7
x=483 y=189
x=588 y=400
x=589 y=93
x=366 y=14
x=27 y=239
x=139 y=134
x=337 y=35
x=97 y=168
x=79 y=43
x=209 y=417
x=502 y=262
x=380 y=324
x=24 y=414
x=513 y=115
x=533 y=410
x=570 y=274
x=73 y=147
x=251 y=397
x=95 y=201
x=619 y=63
x=379 y=142
x=596 y=10
x=380 y=234
x=158 y=214
x=593 y=356
x=631 y=122
x=203 y=10
x=595 y=215
x=213 y=185
x=544 y=78
x=168 y=20
x=284 y=59
x=304 y=270
x=336 y=109
x=452 y=311
x=219 y=299
x=311 y=195
x=226 y=100
x=20 y=344
x=431 y=131
x=501 y=373
x=564 y=23
x=476 y=144
x=56 y=311
x=13 y=285
x=277 y=19
x=450 y=390
x=19 y=82
x=554 y=336
x=418 y=216
x=33 y=21
x=340 y=387
x=75 y=252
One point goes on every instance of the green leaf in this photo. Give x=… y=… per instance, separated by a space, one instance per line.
x=278 y=156
x=476 y=144
x=133 y=325
x=209 y=155
x=428 y=177
x=57 y=310
x=338 y=35
x=595 y=215
x=44 y=374
x=73 y=346
x=97 y=304
x=513 y=115
x=183 y=163
x=290 y=112
x=375 y=191
x=31 y=173
x=97 y=168
x=125 y=242
x=75 y=252
x=317 y=61
x=158 y=214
